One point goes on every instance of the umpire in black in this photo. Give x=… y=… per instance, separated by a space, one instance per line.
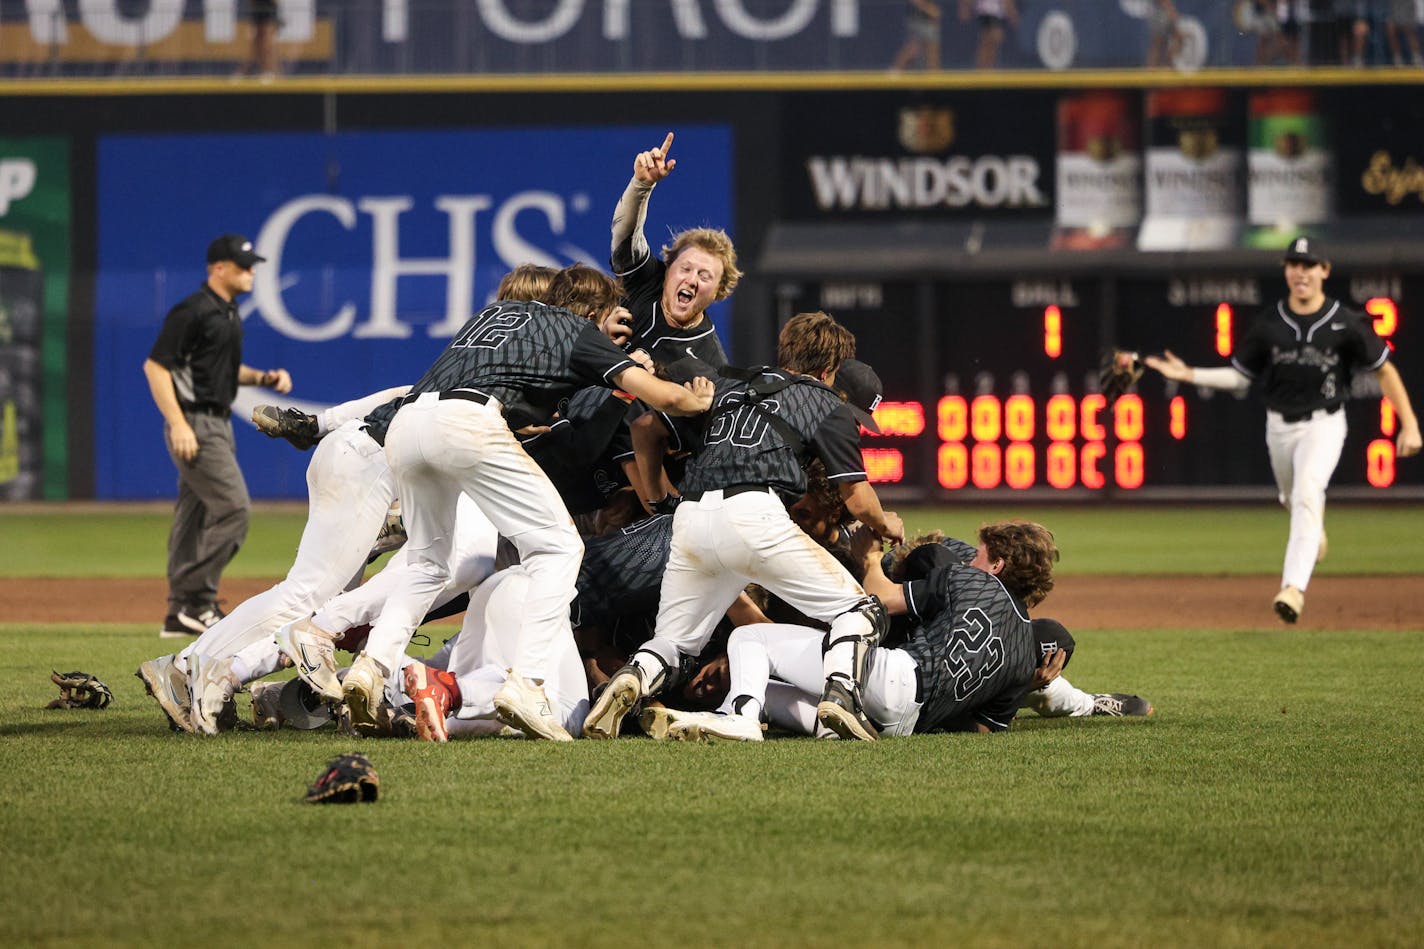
x=193 y=371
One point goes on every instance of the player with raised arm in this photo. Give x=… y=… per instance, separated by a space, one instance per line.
x=669 y=297
x=1303 y=353
x=731 y=527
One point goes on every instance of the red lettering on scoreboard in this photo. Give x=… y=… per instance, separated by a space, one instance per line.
x=953 y=415
x=1062 y=465
x=1177 y=417
x=985 y=422
x=1052 y=331
x=1093 y=452
x=1092 y=429
x=986 y=465
x=1386 y=315
x=1018 y=466
x=883 y=465
x=1224 y=319
x=953 y=466
x=1379 y=463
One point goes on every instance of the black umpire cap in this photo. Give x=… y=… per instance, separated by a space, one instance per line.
x=1305 y=250
x=236 y=248
x=862 y=390
x=1052 y=635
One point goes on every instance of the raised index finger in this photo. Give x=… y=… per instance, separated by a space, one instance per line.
x=667 y=145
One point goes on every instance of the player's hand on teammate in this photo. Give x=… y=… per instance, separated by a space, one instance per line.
x=1170 y=365
x=702 y=390
x=617 y=325
x=894 y=530
x=865 y=545
x=1049 y=669
x=653 y=166
x=183 y=441
x=641 y=357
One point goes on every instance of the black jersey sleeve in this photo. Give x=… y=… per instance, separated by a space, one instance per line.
x=1363 y=347
x=1253 y=351
x=836 y=442
x=595 y=359
x=999 y=713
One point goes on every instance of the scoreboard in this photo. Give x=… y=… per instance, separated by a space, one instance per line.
x=991 y=384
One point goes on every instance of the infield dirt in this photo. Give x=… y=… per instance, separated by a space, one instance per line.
x=1096 y=602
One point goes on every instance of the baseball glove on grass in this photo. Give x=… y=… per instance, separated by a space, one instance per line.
x=349 y=779
x=1119 y=375
x=80 y=690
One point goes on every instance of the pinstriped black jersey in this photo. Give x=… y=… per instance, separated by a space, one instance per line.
x=1305 y=362
x=974 y=646
x=738 y=444
x=622 y=573
x=643 y=294
x=578 y=451
x=526 y=352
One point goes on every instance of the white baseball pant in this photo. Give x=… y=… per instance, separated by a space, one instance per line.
x=792 y=654
x=1303 y=458
x=441 y=448
x=349 y=489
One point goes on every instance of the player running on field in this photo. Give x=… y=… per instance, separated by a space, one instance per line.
x=1303 y=352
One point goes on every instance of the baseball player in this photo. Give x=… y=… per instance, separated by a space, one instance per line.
x=668 y=298
x=449 y=437
x=350 y=490
x=731 y=527
x=1303 y=352
x=969 y=660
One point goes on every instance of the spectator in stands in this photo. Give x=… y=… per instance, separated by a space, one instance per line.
x=262 y=55
x=1276 y=26
x=1352 y=29
x=993 y=17
x=921 y=35
x=1402 y=19
x=1164 y=35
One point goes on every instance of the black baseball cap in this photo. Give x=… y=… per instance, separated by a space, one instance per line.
x=1052 y=635
x=862 y=390
x=1306 y=250
x=236 y=248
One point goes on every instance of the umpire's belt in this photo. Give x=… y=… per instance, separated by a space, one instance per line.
x=468 y=395
x=1304 y=416
x=731 y=492
x=216 y=411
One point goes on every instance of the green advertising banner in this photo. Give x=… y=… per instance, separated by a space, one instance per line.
x=34 y=307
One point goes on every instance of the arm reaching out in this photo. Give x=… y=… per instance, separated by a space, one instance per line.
x=1170 y=365
x=630 y=246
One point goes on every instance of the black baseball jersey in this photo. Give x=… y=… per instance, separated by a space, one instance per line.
x=974 y=646
x=580 y=449
x=1305 y=362
x=643 y=294
x=622 y=573
x=201 y=345
x=739 y=444
x=527 y=352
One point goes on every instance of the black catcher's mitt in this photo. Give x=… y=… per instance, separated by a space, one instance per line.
x=80 y=690
x=349 y=779
x=1119 y=375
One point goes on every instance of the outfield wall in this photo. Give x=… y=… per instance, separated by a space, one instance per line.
x=389 y=208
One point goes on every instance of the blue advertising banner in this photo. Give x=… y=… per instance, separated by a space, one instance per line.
x=379 y=245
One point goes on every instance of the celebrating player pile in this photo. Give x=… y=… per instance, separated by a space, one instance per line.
x=556 y=399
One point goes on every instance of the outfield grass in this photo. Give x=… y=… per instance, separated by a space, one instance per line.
x=1095 y=539
x=1274 y=800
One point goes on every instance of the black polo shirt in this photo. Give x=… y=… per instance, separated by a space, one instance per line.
x=201 y=345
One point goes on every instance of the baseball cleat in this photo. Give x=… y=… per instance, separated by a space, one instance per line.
x=364 y=688
x=267 y=705
x=211 y=686
x=435 y=693
x=525 y=707
x=197 y=619
x=1117 y=704
x=840 y=711
x=1289 y=603
x=617 y=699
x=711 y=726
x=169 y=688
x=314 y=655
x=294 y=425
x=174 y=628
x=655 y=720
